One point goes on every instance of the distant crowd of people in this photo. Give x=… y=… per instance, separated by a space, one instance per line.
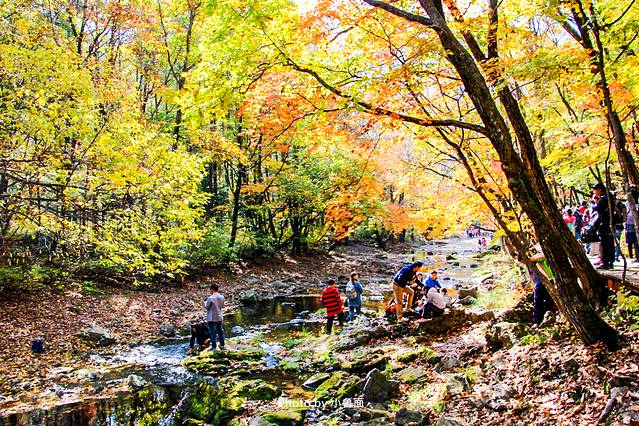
x=603 y=221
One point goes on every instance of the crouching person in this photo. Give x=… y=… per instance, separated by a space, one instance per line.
x=199 y=334
x=435 y=303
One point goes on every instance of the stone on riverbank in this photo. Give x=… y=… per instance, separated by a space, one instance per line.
x=97 y=335
x=360 y=333
x=285 y=417
x=407 y=417
x=315 y=380
x=364 y=361
x=257 y=390
x=378 y=388
x=412 y=374
x=504 y=335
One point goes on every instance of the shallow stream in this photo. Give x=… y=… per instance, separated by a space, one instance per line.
x=166 y=387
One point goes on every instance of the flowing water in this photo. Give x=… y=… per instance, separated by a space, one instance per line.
x=167 y=387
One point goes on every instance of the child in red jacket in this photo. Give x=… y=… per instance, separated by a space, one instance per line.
x=334 y=305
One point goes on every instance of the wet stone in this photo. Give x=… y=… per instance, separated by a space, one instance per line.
x=315 y=380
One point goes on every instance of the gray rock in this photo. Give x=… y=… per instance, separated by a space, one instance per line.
x=410 y=417
x=521 y=312
x=618 y=393
x=135 y=382
x=504 y=334
x=411 y=374
x=260 y=421
x=251 y=297
x=457 y=384
x=167 y=330
x=366 y=361
x=238 y=330
x=495 y=396
x=467 y=301
x=97 y=335
x=448 y=421
x=363 y=414
x=377 y=388
x=468 y=291
x=446 y=364
x=315 y=380
x=359 y=333
x=478 y=314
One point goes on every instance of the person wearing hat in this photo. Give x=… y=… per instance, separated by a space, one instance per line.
x=602 y=225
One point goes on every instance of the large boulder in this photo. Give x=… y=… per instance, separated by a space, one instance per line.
x=97 y=335
x=478 y=315
x=378 y=388
x=251 y=297
x=167 y=330
x=329 y=387
x=451 y=319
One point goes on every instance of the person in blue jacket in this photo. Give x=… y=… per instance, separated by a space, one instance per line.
x=432 y=282
x=401 y=284
x=354 y=292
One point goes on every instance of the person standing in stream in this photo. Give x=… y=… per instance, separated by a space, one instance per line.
x=354 y=292
x=401 y=282
x=214 y=316
x=334 y=305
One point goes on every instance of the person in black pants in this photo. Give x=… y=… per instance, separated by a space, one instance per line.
x=602 y=225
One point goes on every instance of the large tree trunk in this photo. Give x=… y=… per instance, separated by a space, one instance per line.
x=569 y=296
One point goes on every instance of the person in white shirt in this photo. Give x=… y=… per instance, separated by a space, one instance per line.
x=435 y=303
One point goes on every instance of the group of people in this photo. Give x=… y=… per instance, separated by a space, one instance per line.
x=425 y=298
x=591 y=222
x=332 y=300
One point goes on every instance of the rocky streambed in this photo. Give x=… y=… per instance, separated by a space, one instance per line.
x=278 y=367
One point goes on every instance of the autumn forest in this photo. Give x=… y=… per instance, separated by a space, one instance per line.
x=146 y=143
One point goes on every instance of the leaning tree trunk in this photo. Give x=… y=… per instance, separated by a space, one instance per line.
x=569 y=296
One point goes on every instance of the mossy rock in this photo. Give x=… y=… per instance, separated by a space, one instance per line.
x=290 y=364
x=240 y=353
x=285 y=417
x=450 y=257
x=411 y=375
x=326 y=390
x=431 y=356
x=349 y=388
x=407 y=357
x=257 y=390
x=213 y=405
x=205 y=364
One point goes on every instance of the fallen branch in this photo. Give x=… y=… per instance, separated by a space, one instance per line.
x=606 y=412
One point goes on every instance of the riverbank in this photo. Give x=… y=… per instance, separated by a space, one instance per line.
x=479 y=364
x=134 y=317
